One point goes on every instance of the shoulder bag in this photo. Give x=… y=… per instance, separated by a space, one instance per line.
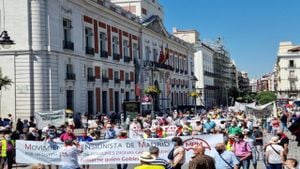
x=225 y=161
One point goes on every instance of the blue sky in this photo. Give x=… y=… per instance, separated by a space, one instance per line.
x=252 y=29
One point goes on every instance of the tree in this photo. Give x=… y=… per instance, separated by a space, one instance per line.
x=4 y=81
x=265 y=97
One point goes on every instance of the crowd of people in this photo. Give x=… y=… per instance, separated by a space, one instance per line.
x=243 y=135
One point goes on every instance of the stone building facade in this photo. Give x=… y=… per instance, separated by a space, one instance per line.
x=87 y=56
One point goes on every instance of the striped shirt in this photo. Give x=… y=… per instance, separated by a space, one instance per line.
x=161 y=162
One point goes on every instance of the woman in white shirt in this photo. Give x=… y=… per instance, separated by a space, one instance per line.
x=274 y=154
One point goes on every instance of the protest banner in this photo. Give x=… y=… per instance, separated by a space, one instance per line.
x=135 y=131
x=170 y=130
x=56 y=118
x=110 y=151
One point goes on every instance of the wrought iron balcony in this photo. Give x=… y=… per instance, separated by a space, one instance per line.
x=149 y=63
x=103 y=54
x=128 y=82
x=117 y=80
x=70 y=76
x=127 y=59
x=292 y=77
x=90 y=78
x=105 y=80
x=116 y=56
x=89 y=50
x=68 y=45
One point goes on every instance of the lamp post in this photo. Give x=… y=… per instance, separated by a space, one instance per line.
x=6 y=43
x=149 y=65
x=5 y=40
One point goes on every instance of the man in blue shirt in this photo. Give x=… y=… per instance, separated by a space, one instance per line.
x=225 y=159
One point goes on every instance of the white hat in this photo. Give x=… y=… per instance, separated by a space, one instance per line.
x=274 y=140
x=146 y=157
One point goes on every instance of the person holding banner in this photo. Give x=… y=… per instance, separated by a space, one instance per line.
x=68 y=135
x=69 y=154
x=122 y=135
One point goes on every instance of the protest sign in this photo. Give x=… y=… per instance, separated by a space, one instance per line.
x=110 y=151
x=170 y=130
x=56 y=118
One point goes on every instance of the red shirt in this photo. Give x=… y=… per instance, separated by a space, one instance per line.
x=67 y=136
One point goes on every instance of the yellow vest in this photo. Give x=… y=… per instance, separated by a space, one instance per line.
x=3 y=148
x=145 y=166
x=228 y=147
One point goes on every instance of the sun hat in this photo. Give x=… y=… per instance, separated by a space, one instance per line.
x=146 y=157
x=274 y=140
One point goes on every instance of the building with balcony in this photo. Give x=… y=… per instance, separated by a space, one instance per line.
x=288 y=71
x=88 y=56
x=215 y=71
x=243 y=82
x=253 y=85
x=266 y=82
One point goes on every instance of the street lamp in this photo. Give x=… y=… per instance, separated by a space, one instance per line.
x=6 y=43
x=5 y=40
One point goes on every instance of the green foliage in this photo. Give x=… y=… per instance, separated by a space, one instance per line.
x=4 y=81
x=152 y=90
x=265 y=97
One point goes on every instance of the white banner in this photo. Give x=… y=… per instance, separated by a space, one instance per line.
x=110 y=151
x=56 y=118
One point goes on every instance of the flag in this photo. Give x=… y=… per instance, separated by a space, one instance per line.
x=161 y=55
x=137 y=90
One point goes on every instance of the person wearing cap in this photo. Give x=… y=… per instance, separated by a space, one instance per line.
x=274 y=154
x=145 y=162
x=154 y=151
